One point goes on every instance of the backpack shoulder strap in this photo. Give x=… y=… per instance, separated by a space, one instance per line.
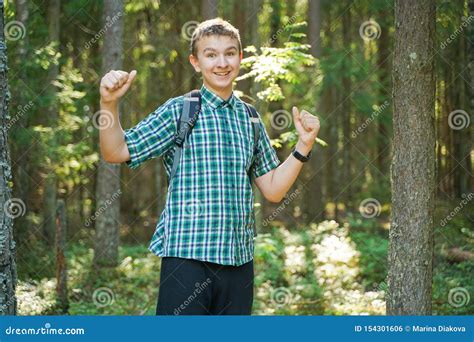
x=255 y=119
x=187 y=120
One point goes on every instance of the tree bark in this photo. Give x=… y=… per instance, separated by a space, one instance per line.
x=413 y=165
x=8 y=276
x=108 y=178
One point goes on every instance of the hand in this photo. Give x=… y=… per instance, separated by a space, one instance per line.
x=307 y=126
x=115 y=84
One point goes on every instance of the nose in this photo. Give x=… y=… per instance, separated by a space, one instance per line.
x=222 y=61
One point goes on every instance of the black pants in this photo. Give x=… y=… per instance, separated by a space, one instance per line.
x=193 y=287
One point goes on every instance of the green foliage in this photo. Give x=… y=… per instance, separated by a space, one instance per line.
x=453 y=288
x=319 y=269
x=64 y=155
x=373 y=260
x=276 y=64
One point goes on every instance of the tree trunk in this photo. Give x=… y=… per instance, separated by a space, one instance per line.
x=209 y=9
x=383 y=63
x=346 y=110
x=21 y=150
x=465 y=96
x=61 y=264
x=314 y=27
x=50 y=185
x=8 y=277
x=470 y=60
x=413 y=164
x=275 y=22
x=312 y=203
x=108 y=179
x=470 y=105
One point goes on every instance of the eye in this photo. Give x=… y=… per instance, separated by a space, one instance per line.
x=231 y=53
x=211 y=55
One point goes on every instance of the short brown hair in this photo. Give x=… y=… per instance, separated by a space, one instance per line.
x=211 y=27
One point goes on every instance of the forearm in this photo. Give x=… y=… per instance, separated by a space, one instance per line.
x=285 y=175
x=111 y=134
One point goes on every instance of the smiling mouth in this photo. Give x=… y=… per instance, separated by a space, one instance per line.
x=222 y=73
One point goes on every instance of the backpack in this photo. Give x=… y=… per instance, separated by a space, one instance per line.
x=187 y=120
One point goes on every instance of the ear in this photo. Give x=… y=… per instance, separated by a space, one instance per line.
x=241 y=55
x=195 y=63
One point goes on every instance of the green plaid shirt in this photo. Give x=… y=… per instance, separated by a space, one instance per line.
x=209 y=213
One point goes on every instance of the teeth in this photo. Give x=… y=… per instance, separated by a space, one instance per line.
x=222 y=73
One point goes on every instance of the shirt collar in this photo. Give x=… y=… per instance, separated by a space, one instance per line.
x=216 y=101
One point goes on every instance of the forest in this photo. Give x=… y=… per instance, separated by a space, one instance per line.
x=380 y=221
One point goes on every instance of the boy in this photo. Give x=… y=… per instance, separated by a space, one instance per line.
x=205 y=233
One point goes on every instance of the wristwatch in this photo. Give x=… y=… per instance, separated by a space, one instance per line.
x=299 y=156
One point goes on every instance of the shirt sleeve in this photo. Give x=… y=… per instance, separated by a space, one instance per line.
x=152 y=136
x=266 y=158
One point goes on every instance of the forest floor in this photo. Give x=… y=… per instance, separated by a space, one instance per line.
x=321 y=269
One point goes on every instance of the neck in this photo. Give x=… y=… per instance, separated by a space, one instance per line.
x=224 y=93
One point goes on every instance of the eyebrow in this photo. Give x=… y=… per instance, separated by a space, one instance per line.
x=212 y=49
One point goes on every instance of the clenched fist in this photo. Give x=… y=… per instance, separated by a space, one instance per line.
x=115 y=84
x=307 y=126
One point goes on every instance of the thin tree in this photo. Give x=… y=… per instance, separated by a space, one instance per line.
x=312 y=202
x=470 y=94
x=413 y=165
x=8 y=276
x=209 y=9
x=108 y=177
x=22 y=188
x=50 y=186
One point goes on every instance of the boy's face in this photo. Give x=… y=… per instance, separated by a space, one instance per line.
x=218 y=59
